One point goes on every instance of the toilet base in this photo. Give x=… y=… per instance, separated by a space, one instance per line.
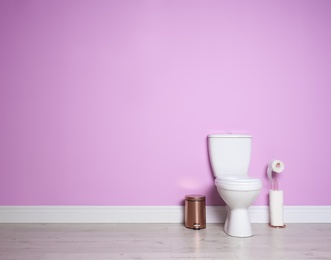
x=237 y=223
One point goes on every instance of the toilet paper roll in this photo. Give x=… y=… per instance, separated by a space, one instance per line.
x=276 y=208
x=275 y=166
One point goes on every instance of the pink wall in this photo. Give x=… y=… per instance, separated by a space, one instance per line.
x=110 y=102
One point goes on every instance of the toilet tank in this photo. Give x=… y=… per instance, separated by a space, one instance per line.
x=229 y=154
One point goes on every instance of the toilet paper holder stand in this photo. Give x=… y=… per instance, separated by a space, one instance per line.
x=275 y=195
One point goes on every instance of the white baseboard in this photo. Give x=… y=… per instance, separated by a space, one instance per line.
x=150 y=214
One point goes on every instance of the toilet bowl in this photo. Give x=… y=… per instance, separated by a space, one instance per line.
x=229 y=157
x=238 y=195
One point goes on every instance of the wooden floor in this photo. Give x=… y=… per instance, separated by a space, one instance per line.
x=161 y=241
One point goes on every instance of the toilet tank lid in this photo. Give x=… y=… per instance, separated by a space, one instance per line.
x=229 y=136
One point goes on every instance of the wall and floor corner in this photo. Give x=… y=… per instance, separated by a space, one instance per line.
x=105 y=106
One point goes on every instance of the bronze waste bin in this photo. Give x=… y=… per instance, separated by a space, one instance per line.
x=195 y=211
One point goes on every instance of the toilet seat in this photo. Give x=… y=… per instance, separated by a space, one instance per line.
x=239 y=183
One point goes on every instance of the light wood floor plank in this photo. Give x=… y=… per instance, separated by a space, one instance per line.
x=160 y=241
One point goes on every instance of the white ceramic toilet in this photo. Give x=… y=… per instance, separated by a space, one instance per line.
x=229 y=157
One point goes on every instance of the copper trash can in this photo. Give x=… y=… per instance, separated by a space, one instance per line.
x=195 y=211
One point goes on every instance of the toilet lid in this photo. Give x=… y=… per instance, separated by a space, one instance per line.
x=239 y=183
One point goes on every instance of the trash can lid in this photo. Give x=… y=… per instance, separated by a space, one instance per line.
x=195 y=197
